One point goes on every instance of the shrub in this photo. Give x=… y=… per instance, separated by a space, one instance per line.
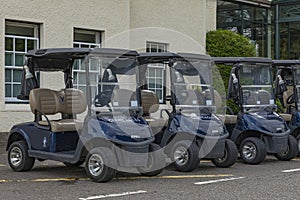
x=225 y=43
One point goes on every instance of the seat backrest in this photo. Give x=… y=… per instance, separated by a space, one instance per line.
x=75 y=101
x=264 y=97
x=286 y=95
x=43 y=100
x=66 y=101
x=150 y=102
x=218 y=99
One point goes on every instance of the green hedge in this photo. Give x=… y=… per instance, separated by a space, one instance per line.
x=225 y=43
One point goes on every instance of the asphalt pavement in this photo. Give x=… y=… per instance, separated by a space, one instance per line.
x=272 y=179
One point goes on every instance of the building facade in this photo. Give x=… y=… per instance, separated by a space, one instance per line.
x=273 y=25
x=33 y=24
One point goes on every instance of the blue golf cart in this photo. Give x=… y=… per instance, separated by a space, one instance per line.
x=257 y=128
x=98 y=122
x=287 y=90
x=185 y=124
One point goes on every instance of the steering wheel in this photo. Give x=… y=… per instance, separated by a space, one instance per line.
x=290 y=99
x=102 y=99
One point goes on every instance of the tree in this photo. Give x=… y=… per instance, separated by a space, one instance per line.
x=225 y=43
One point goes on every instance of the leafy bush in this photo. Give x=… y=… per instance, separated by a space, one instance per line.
x=225 y=43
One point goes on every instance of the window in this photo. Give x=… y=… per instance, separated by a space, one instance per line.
x=85 y=39
x=19 y=38
x=156 y=72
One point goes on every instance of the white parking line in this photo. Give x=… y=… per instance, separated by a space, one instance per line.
x=1 y=165
x=217 y=181
x=290 y=170
x=113 y=195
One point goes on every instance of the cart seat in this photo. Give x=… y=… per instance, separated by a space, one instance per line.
x=286 y=117
x=227 y=119
x=68 y=101
x=150 y=104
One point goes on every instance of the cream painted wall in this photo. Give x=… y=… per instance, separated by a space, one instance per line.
x=211 y=15
x=57 y=19
x=186 y=17
x=188 y=20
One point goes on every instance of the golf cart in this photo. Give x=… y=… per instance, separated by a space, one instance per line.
x=99 y=124
x=287 y=90
x=258 y=129
x=185 y=126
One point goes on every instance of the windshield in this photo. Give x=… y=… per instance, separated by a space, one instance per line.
x=113 y=83
x=192 y=83
x=256 y=85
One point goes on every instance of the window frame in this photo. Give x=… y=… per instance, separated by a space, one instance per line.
x=13 y=67
x=149 y=46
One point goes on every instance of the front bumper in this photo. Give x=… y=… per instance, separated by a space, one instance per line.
x=132 y=156
x=211 y=147
x=276 y=144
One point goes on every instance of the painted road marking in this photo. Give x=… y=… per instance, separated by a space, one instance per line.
x=290 y=170
x=1 y=165
x=217 y=181
x=120 y=178
x=113 y=195
x=175 y=177
x=296 y=159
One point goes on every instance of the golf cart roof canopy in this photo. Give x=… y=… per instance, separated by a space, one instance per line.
x=165 y=57
x=234 y=60
x=54 y=59
x=286 y=63
x=60 y=59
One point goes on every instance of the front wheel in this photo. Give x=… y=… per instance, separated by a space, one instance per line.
x=98 y=164
x=156 y=161
x=184 y=156
x=253 y=150
x=291 y=152
x=18 y=158
x=230 y=155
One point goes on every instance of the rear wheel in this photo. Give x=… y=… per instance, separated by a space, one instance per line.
x=291 y=152
x=156 y=161
x=18 y=158
x=98 y=164
x=252 y=150
x=230 y=155
x=184 y=156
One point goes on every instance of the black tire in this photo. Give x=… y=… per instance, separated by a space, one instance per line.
x=230 y=155
x=292 y=150
x=18 y=158
x=253 y=151
x=185 y=156
x=79 y=163
x=103 y=158
x=298 y=141
x=156 y=161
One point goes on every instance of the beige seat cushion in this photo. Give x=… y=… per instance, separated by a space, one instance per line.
x=156 y=123
x=286 y=117
x=63 y=125
x=228 y=119
x=67 y=101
